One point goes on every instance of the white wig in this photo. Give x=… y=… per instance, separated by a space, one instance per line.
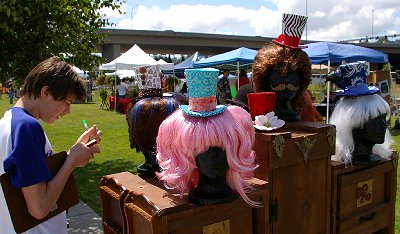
x=353 y=112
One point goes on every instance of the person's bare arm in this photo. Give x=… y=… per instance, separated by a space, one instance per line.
x=40 y=198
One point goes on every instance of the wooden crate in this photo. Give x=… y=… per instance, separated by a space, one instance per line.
x=376 y=76
x=363 y=197
x=296 y=161
x=149 y=208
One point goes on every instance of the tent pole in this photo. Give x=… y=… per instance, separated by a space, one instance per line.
x=327 y=93
x=115 y=93
x=393 y=90
x=237 y=72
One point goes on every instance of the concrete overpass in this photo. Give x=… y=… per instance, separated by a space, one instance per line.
x=170 y=42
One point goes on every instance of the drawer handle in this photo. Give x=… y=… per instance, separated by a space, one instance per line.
x=367 y=217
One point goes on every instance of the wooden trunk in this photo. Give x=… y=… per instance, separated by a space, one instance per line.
x=363 y=197
x=112 y=195
x=148 y=207
x=296 y=160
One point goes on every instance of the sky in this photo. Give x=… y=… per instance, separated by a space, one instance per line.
x=334 y=20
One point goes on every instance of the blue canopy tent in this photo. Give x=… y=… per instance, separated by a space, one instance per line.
x=188 y=63
x=240 y=57
x=331 y=53
x=334 y=53
x=179 y=68
x=237 y=58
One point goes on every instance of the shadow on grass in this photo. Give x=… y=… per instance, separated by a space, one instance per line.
x=88 y=179
x=395 y=132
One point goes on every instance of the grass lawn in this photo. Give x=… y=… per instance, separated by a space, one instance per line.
x=116 y=155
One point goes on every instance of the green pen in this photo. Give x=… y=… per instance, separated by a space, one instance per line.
x=85 y=124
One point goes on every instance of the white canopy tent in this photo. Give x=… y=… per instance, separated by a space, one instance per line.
x=122 y=73
x=134 y=57
x=164 y=65
x=80 y=72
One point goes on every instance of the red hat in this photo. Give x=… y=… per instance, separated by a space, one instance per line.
x=292 y=29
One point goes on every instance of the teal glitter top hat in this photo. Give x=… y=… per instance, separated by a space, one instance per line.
x=202 y=89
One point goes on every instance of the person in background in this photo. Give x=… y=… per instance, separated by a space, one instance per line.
x=184 y=89
x=11 y=95
x=47 y=94
x=123 y=89
x=243 y=79
x=223 y=88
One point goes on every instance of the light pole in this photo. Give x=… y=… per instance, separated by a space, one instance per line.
x=131 y=14
x=372 y=25
x=306 y=16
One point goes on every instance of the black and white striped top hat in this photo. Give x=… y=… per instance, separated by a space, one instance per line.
x=292 y=29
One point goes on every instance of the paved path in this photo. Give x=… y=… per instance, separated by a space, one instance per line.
x=82 y=219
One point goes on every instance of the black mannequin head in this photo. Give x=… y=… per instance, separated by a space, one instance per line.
x=212 y=163
x=212 y=187
x=365 y=137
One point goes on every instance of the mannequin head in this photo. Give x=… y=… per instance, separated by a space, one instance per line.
x=212 y=163
x=287 y=72
x=182 y=139
x=143 y=118
x=361 y=128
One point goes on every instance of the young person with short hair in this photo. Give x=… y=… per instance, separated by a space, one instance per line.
x=47 y=94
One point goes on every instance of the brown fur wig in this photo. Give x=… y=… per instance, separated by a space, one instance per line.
x=282 y=59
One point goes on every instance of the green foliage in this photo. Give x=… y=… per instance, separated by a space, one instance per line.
x=183 y=58
x=110 y=80
x=31 y=31
x=385 y=67
x=171 y=82
x=169 y=59
x=101 y=80
x=103 y=95
x=133 y=93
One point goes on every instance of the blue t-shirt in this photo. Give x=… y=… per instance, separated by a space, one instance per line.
x=23 y=150
x=26 y=161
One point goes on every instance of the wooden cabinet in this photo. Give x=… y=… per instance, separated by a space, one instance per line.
x=296 y=161
x=363 y=198
x=135 y=205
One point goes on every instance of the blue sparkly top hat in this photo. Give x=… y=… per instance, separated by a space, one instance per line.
x=353 y=79
x=202 y=89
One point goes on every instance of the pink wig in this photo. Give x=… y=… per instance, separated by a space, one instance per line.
x=181 y=138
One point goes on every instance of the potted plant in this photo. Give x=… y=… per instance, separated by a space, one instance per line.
x=103 y=95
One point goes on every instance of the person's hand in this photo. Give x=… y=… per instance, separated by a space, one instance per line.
x=80 y=154
x=92 y=133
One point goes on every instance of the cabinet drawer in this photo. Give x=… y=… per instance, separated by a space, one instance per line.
x=368 y=221
x=364 y=199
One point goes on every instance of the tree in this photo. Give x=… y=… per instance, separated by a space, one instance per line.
x=169 y=60
x=33 y=30
x=183 y=58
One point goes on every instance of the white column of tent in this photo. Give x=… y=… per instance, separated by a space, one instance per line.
x=327 y=94
x=392 y=89
x=115 y=92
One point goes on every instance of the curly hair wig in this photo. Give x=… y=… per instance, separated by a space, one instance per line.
x=282 y=59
